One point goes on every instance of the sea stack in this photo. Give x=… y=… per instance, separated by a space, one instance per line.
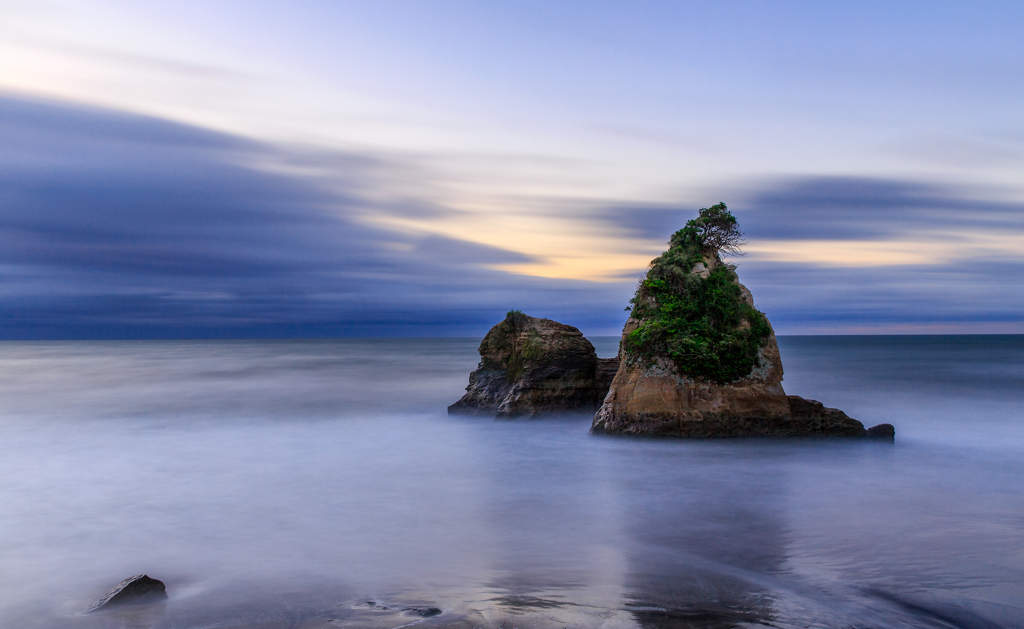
x=697 y=359
x=531 y=366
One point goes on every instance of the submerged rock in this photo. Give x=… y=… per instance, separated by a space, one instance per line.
x=425 y=612
x=529 y=366
x=137 y=589
x=699 y=360
x=883 y=432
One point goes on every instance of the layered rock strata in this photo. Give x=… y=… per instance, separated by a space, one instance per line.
x=531 y=366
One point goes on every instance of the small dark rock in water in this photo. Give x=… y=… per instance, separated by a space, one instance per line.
x=812 y=418
x=137 y=589
x=882 y=431
x=426 y=612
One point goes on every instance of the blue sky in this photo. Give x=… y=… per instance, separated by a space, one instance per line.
x=408 y=168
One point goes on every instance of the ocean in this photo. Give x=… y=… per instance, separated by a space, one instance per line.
x=320 y=483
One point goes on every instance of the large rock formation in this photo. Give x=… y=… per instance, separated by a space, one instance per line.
x=698 y=360
x=530 y=366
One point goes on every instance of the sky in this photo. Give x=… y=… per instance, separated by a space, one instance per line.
x=262 y=169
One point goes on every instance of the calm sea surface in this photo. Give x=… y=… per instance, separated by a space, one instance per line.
x=312 y=484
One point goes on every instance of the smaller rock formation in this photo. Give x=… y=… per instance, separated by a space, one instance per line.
x=606 y=370
x=529 y=366
x=137 y=589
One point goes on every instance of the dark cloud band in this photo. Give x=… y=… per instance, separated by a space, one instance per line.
x=120 y=226
x=114 y=225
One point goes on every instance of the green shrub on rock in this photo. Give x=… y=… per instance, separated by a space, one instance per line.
x=697 y=317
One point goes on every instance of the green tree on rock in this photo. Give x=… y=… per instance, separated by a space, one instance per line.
x=718 y=230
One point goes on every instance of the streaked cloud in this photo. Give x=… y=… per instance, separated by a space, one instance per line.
x=575 y=101
x=375 y=167
x=862 y=222
x=117 y=225
x=930 y=248
x=850 y=208
x=980 y=296
x=993 y=150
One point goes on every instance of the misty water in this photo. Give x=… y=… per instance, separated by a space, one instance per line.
x=322 y=484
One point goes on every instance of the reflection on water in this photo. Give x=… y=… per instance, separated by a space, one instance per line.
x=690 y=558
x=320 y=484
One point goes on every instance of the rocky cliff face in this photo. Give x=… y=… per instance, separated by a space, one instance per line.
x=649 y=396
x=698 y=360
x=529 y=366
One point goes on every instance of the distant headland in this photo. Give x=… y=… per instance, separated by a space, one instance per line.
x=696 y=358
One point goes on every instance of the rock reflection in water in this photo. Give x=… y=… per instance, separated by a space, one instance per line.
x=553 y=553
x=696 y=553
x=681 y=536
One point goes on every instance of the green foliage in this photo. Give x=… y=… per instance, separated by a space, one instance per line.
x=717 y=229
x=701 y=324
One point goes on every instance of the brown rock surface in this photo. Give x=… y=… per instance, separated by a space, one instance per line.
x=530 y=366
x=649 y=396
x=654 y=399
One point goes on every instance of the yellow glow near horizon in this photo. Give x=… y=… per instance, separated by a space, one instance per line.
x=612 y=268
x=560 y=247
x=848 y=253
x=935 y=248
x=562 y=250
